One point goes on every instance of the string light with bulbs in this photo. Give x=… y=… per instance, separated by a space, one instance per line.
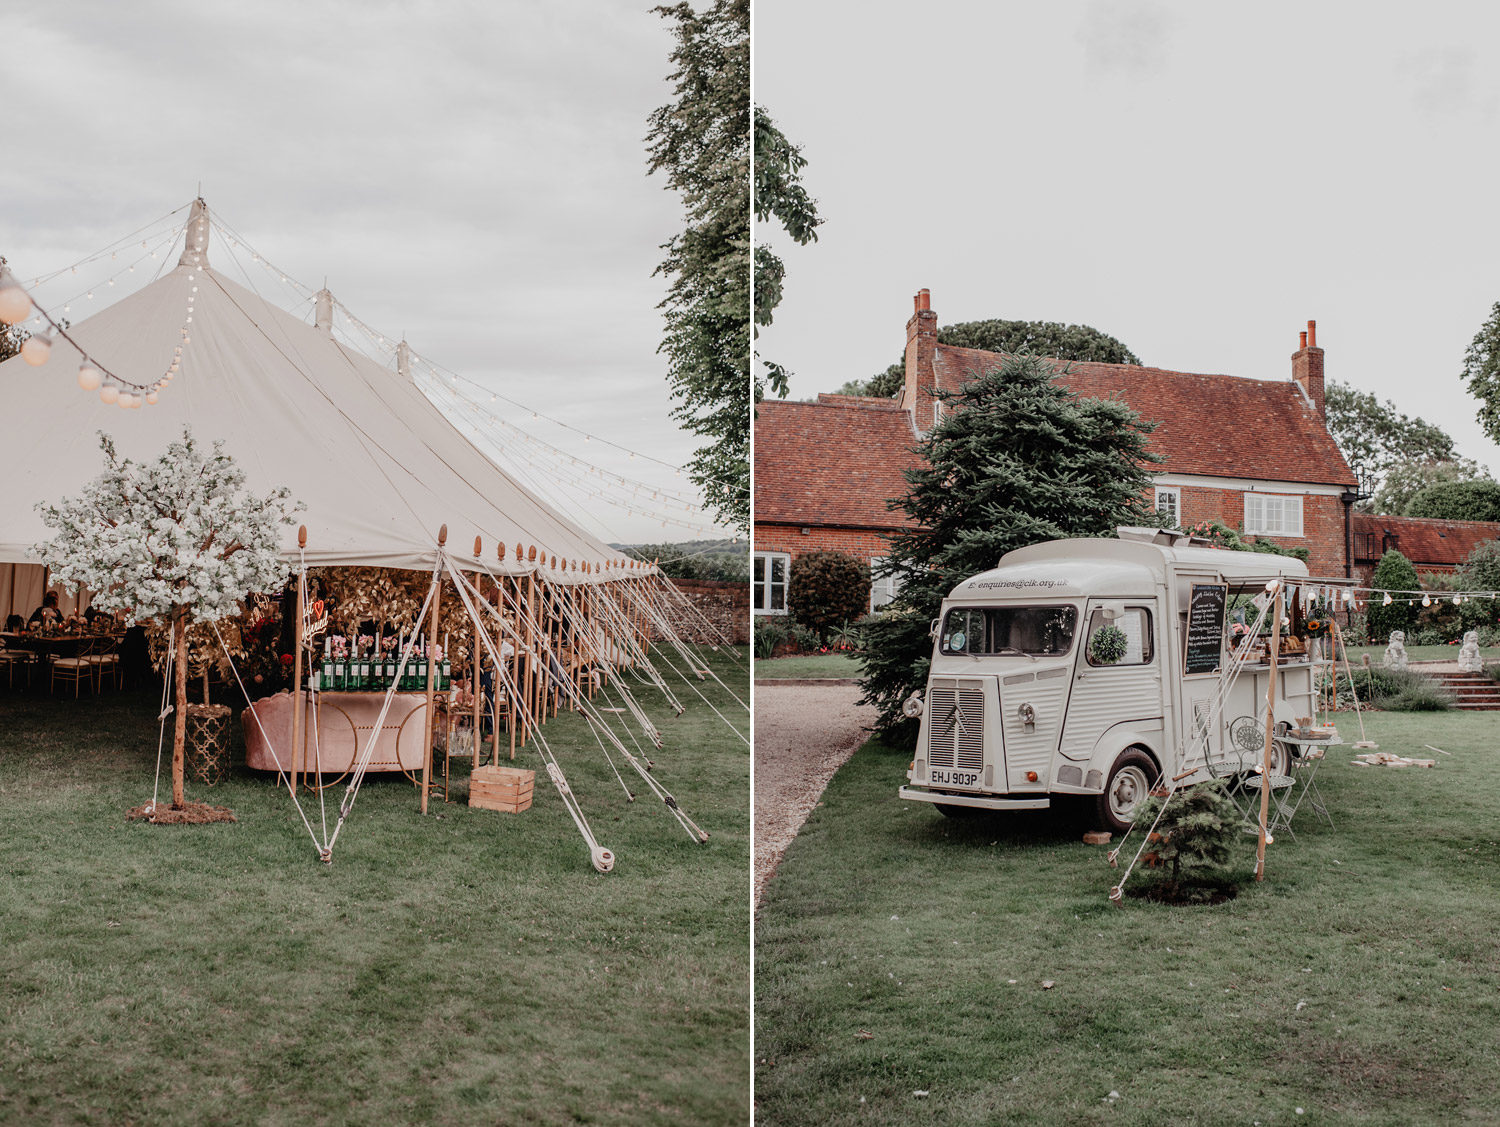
x=16 y=305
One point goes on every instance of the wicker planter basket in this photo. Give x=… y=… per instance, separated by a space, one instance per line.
x=208 y=742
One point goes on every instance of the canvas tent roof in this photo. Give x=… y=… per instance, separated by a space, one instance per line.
x=376 y=463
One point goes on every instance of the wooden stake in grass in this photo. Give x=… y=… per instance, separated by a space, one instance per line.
x=1265 y=766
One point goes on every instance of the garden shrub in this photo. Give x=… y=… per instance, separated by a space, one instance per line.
x=1195 y=834
x=1395 y=690
x=827 y=589
x=804 y=638
x=1394 y=573
x=768 y=634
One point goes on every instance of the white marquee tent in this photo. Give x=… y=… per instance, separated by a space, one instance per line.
x=379 y=468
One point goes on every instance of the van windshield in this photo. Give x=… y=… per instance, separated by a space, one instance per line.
x=1034 y=631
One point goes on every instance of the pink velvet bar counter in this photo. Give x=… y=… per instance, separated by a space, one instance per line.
x=344 y=723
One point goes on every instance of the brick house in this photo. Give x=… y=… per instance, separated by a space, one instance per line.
x=1254 y=454
x=1436 y=546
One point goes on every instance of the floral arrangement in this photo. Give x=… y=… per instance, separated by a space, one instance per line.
x=1107 y=645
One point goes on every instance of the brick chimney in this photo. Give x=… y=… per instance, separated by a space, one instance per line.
x=1307 y=367
x=921 y=350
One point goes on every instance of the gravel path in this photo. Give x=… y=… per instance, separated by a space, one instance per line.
x=803 y=734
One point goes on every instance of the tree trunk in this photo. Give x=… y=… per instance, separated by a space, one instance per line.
x=179 y=729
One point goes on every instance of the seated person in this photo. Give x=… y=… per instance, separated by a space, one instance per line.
x=14 y=624
x=47 y=614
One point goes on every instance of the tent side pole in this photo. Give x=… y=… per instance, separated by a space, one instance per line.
x=298 y=758
x=431 y=723
x=1265 y=765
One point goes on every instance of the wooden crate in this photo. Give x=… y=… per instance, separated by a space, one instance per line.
x=501 y=788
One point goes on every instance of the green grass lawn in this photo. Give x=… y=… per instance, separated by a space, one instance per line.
x=463 y=967
x=807 y=665
x=1421 y=653
x=899 y=952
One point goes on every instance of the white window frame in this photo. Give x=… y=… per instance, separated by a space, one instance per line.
x=1173 y=494
x=1273 y=514
x=760 y=581
x=882 y=589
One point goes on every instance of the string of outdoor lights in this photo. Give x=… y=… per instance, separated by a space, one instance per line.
x=555 y=475
x=387 y=345
x=449 y=380
x=666 y=497
x=1358 y=598
x=453 y=402
x=16 y=305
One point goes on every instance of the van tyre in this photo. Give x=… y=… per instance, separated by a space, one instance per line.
x=1129 y=785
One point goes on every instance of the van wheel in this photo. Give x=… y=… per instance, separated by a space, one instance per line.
x=1130 y=782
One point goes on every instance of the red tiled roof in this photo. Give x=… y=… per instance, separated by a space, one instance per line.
x=1218 y=426
x=833 y=462
x=1424 y=541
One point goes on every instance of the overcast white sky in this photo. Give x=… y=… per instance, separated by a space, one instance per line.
x=1196 y=179
x=471 y=174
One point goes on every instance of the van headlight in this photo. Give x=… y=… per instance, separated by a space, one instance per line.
x=912 y=706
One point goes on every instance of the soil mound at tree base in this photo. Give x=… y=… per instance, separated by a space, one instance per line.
x=1184 y=892
x=188 y=814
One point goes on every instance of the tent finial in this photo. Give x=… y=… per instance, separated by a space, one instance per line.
x=323 y=312
x=195 y=244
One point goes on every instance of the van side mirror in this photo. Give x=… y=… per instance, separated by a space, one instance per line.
x=932 y=630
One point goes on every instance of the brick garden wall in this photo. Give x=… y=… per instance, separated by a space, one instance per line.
x=725 y=604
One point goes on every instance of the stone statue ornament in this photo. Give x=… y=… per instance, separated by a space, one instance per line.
x=1469 y=660
x=1395 y=651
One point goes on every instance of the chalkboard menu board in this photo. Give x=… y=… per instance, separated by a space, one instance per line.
x=1205 y=628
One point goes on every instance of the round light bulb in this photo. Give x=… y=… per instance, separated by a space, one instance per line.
x=1427 y=600
x=15 y=303
x=1385 y=602
x=89 y=378
x=109 y=393
x=125 y=400
x=151 y=397
x=36 y=349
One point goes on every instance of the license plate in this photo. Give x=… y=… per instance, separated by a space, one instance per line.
x=942 y=777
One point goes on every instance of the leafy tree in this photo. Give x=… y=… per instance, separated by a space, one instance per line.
x=1457 y=500
x=1016 y=459
x=722 y=560
x=1394 y=572
x=176 y=539
x=1041 y=338
x=779 y=195
x=1482 y=373
x=1375 y=436
x=828 y=589
x=1480 y=572
x=1404 y=480
x=11 y=339
x=701 y=142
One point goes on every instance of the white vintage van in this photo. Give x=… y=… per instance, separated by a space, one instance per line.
x=1020 y=707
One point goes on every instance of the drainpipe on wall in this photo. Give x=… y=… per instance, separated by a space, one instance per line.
x=1349 y=496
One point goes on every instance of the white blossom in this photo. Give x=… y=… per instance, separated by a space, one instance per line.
x=179 y=533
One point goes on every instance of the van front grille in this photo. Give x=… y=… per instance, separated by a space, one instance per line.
x=956 y=738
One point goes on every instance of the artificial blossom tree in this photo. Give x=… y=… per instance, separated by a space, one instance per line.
x=178 y=539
